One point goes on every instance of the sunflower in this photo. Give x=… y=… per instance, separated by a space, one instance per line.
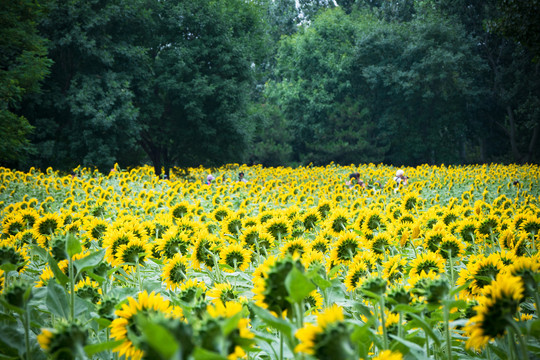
x=88 y=289
x=409 y=201
x=65 y=341
x=292 y=247
x=433 y=238
x=204 y=251
x=112 y=240
x=173 y=242
x=278 y=227
x=313 y=260
x=220 y=213
x=180 y=210
x=97 y=228
x=324 y=208
x=235 y=257
x=451 y=246
x=48 y=274
x=329 y=339
x=528 y=270
x=394 y=268
x=13 y=224
x=357 y=272
x=379 y=243
x=175 y=271
x=310 y=218
x=135 y=251
x=338 y=221
x=126 y=328
x=313 y=302
x=427 y=262
x=222 y=293
x=345 y=248
x=45 y=227
x=269 y=284
x=230 y=344
x=478 y=272
x=495 y=310
x=192 y=290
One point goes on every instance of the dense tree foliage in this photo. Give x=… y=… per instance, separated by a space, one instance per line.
x=182 y=83
x=23 y=64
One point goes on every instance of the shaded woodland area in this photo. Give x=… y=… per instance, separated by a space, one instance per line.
x=191 y=82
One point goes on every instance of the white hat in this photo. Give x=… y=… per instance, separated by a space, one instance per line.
x=210 y=177
x=400 y=172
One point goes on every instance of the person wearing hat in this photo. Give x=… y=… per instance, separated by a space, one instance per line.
x=209 y=179
x=400 y=178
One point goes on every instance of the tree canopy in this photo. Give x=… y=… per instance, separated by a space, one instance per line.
x=188 y=83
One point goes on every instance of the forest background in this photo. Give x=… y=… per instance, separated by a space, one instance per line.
x=182 y=83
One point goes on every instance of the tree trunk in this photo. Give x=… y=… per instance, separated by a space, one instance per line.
x=512 y=134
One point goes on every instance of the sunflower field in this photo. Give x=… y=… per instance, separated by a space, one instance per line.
x=292 y=264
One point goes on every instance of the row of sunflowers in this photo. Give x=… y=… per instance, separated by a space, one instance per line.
x=292 y=264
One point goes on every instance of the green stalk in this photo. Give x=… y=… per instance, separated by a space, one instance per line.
x=138 y=266
x=385 y=336
x=27 y=332
x=451 y=270
x=72 y=289
x=522 y=343
x=511 y=344
x=447 y=330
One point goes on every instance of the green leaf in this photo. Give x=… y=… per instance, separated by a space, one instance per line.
x=279 y=324
x=73 y=245
x=323 y=284
x=58 y=274
x=458 y=289
x=203 y=354
x=93 y=349
x=57 y=300
x=231 y=324
x=298 y=285
x=419 y=351
x=425 y=326
x=363 y=338
x=159 y=338
x=90 y=261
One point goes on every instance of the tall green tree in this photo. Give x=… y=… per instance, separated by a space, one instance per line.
x=192 y=97
x=23 y=64
x=508 y=126
x=359 y=89
x=85 y=114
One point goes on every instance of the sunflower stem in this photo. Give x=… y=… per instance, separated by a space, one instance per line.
x=515 y=328
x=451 y=269
x=511 y=345
x=27 y=332
x=447 y=329
x=72 y=289
x=383 y=323
x=138 y=266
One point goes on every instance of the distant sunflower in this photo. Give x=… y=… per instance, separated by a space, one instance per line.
x=173 y=242
x=345 y=248
x=236 y=257
x=356 y=273
x=480 y=273
x=175 y=271
x=222 y=293
x=292 y=247
x=337 y=221
x=45 y=227
x=112 y=240
x=135 y=251
x=205 y=250
x=427 y=262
